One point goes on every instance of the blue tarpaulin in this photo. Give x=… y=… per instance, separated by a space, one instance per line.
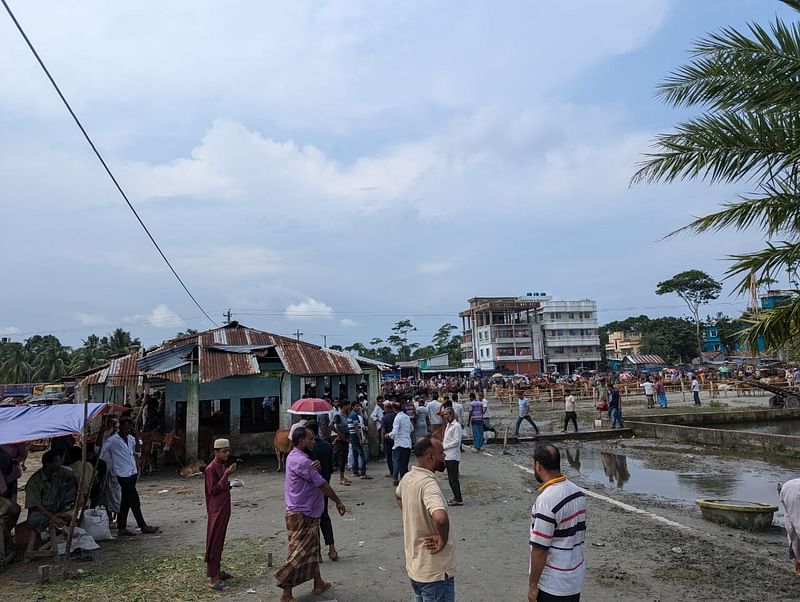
x=28 y=423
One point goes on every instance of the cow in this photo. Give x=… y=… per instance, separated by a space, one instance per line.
x=283 y=445
x=151 y=442
x=176 y=442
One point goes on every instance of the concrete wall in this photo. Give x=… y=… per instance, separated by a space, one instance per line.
x=714 y=418
x=766 y=442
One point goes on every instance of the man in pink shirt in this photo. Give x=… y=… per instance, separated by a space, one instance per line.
x=304 y=493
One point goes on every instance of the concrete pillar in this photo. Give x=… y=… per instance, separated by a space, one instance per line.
x=321 y=387
x=284 y=418
x=235 y=417
x=192 y=416
x=335 y=386
x=352 y=387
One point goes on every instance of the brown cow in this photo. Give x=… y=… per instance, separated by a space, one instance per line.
x=151 y=442
x=283 y=445
x=176 y=442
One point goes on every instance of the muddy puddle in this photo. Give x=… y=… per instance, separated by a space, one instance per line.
x=719 y=478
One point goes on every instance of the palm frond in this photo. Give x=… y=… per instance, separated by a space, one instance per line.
x=734 y=71
x=772 y=259
x=776 y=212
x=775 y=327
x=725 y=147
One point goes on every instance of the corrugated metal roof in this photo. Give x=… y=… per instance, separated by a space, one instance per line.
x=304 y=359
x=119 y=372
x=216 y=365
x=166 y=360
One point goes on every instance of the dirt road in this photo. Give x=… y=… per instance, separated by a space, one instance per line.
x=630 y=556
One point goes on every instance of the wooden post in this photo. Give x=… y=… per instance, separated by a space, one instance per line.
x=79 y=501
x=683 y=390
x=192 y=417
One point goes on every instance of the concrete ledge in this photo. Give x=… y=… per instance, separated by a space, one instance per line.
x=766 y=442
x=593 y=435
x=714 y=418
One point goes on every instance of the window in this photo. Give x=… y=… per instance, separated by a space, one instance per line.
x=572 y=333
x=558 y=316
x=712 y=334
x=716 y=348
x=571 y=316
x=258 y=414
x=216 y=414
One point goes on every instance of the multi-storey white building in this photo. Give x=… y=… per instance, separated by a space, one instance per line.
x=571 y=338
x=530 y=334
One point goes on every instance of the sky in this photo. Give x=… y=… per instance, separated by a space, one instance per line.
x=334 y=167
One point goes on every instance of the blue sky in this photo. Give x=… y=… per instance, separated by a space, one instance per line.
x=338 y=166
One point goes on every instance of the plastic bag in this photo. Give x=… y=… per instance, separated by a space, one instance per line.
x=95 y=522
x=80 y=539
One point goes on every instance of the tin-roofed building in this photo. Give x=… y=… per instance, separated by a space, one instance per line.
x=236 y=381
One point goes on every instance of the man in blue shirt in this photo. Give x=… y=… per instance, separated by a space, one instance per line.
x=524 y=414
x=357 y=441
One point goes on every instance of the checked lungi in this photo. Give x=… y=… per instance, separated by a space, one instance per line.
x=302 y=563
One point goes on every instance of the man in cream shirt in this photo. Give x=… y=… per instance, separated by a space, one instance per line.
x=430 y=555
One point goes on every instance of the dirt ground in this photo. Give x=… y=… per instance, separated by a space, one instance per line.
x=630 y=556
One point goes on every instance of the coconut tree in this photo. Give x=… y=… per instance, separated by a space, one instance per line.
x=746 y=85
x=15 y=367
x=90 y=355
x=120 y=343
x=51 y=361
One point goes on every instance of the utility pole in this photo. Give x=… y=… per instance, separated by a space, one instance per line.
x=298 y=334
x=325 y=341
x=227 y=315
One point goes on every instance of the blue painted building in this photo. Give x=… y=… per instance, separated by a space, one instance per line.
x=236 y=381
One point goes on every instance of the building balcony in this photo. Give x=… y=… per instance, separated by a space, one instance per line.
x=557 y=358
x=572 y=341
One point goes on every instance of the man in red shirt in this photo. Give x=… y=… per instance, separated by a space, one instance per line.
x=218 y=505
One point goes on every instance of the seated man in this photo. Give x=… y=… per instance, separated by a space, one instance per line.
x=50 y=494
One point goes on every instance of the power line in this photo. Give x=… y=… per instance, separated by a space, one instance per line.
x=100 y=158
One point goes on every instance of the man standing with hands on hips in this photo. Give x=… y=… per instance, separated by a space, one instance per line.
x=430 y=555
x=218 y=507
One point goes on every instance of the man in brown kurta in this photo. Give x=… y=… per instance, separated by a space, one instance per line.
x=218 y=505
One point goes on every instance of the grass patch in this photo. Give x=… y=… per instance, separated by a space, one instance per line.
x=177 y=576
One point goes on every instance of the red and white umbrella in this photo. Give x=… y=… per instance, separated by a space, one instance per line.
x=310 y=406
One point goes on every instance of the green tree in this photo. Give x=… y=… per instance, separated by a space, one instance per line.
x=399 y=340
x=120 y=342
x=186 y=333
x=671 y=338
x=89 y=355
x=696 y=288
x=51 y=360
x=336 y=348
x=15 y=367
x=746 y=85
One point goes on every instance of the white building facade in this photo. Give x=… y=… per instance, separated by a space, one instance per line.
x=571 y=336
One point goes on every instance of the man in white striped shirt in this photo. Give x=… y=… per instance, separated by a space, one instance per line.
x=558 y=529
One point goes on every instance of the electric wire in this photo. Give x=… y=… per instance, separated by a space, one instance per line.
x=101 y=159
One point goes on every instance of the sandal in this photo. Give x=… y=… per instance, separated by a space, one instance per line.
x=226 y=576
x=219 y=586
x=126 y=533
x=455 y=503
x=345 y=483
x=333 y=556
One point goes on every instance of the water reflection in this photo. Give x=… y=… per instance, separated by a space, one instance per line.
x=756 y=482
x=616 y=468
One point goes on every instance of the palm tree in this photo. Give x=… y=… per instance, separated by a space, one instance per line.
x=15 y=367
x=748 y=86
x=51 y=360
x=120 y=343
x=90 y=355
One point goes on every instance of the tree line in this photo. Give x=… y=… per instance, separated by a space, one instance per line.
x=43 y=358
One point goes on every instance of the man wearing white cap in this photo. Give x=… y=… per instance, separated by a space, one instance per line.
x=218 y=505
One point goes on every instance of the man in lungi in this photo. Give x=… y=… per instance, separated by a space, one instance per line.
x=218 y=506
x=304 y=493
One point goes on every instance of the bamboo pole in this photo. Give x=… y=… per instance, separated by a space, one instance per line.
x=79 y=501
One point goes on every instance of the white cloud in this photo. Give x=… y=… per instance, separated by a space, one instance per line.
x=310 y=309
x=91 y=320
x=348 y=323
x=435 y=267
x=161 y=316
x=9 y=330
x=232 y=261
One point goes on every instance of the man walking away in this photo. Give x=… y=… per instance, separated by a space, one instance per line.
x=648 y=392
x=790 y=498
x=696 y=390
x=401 y=435
x=558 y=530
x=430 y=555
x=452 y=454
x=487 y=415
x=475 y=420
x=614 y=406
x=570 y=412
x=377 y=419
x=524 y=414
x=421 y=427
x=118 y=452
x=341 y=442
x=386 y=426
x=322 y=452
x=661 y=392
x=218 y=508
x=304 y=491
